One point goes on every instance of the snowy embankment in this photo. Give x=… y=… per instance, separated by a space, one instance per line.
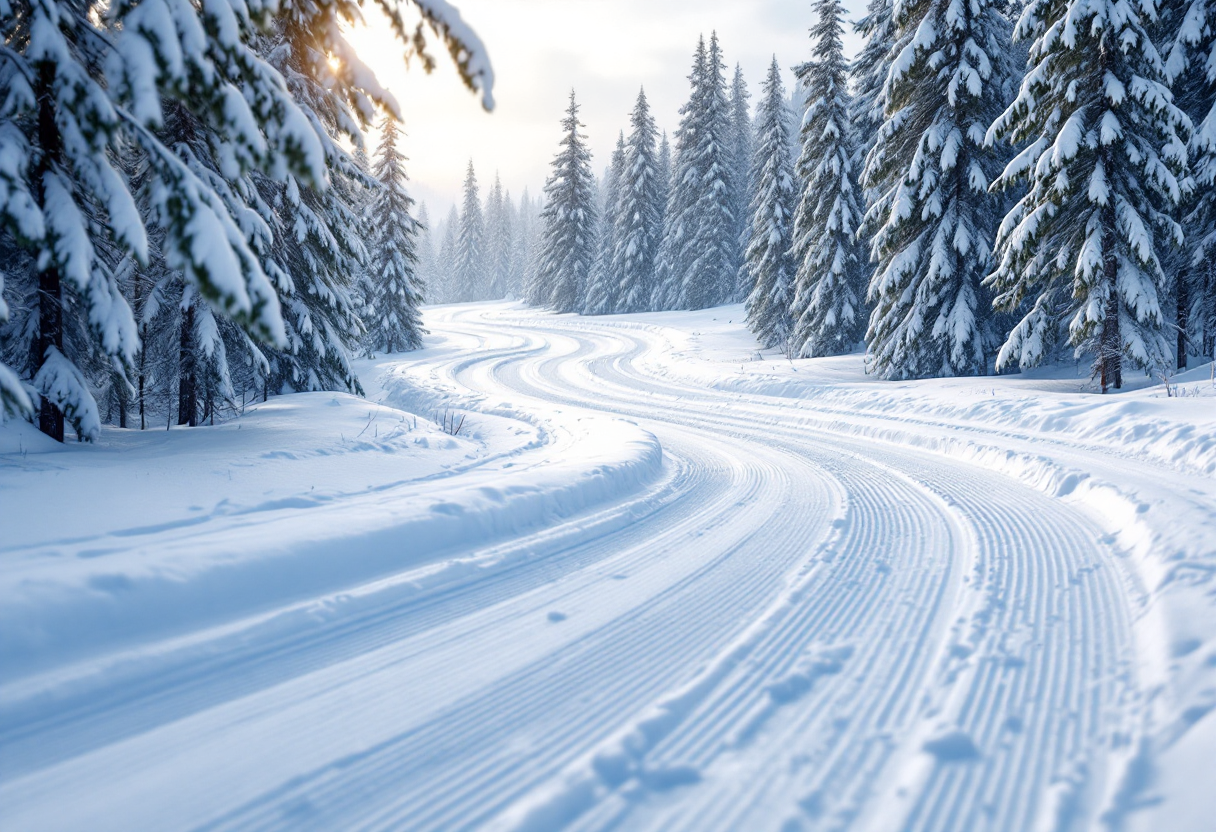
x=658 y=582
x=147 y=535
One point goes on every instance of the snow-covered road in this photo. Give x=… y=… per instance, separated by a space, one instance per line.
x=798 y=615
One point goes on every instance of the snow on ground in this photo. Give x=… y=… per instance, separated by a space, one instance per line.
x=660 y=580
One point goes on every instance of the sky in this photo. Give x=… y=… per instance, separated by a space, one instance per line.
x=540 y=49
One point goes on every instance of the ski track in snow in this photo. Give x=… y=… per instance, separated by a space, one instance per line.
x=796 y=625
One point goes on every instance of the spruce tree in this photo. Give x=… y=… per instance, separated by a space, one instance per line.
x=1080 y=253
x=603 y=290
x=446 y=289
x=639 y=222
x=86 y=85
x=709 y=265
x=827 y=309
x=469 y=267
x=740 y=179
x=498 y=243
x=1191 y=69
x=677 y=250
x=769 y=262
x=934 y=221
x=567 y=250
x=395 y=324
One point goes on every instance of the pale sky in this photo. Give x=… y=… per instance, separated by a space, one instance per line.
x=540 y=49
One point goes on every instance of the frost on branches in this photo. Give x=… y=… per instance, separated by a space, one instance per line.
x=1080 y=253
x=827 y=306
x=1191 y=69
x=768 y=260
x=933 y=221
x=603 y=289
x=394 y=323
x=569 y=219
x=639 y=223
x=87 y=88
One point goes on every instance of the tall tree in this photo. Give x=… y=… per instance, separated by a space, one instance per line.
x=81 y=81
x=395 y=324
x=498 y=243
x=680 y=216
x=710 y=264
x=1102 y=159
x=769 y=263
x=603 y=289
x=827 y=309
x=469 y=268
x=934 y=221
x=569 y=218
x=1191 y=70
x=449 y=291
x=740 y=179
x=639 y=222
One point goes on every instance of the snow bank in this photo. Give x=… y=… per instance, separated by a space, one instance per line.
x=381 y=492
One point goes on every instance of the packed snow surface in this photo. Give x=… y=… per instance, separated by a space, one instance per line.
x=659 y=580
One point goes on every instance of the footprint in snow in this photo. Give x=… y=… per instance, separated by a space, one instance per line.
x=556 y=616
x=952 y=747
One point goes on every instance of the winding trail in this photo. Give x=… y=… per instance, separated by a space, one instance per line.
x=792 y=627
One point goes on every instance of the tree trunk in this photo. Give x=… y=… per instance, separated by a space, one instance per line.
x=50 y=287
x=1184 y=316
x=187 y=384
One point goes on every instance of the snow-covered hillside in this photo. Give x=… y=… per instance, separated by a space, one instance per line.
x=658 y=580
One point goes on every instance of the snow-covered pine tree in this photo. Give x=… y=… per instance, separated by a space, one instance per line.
x=827 y=309
x=769 y=261
x=934 y=221
x=79 y=80
x=639 y=222
x=711 y=262
x=499 y=242
x=427 y=254
x=1080 y=252
x=567 y=251
x=1191 y=69
x=469 y=268
x=446 y=290
x=528 y=221
x=740 y=181
x=676 y=251
x=881 y=42
x=603 y=290
x=319 y=249
x=395 y=324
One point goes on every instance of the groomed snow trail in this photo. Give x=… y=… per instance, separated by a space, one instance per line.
x=793 y=626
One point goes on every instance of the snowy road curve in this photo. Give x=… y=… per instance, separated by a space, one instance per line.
x=794 y=624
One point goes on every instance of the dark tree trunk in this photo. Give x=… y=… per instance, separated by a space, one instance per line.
x=187 y=384
x=50 y=288
x=1110 y=345
x=1184 y=316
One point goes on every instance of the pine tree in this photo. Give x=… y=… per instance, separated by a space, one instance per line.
x=445 y=288
x=469 y=267
x=603 y=290
x=769 y=263
x=567 y=251
x=500 y=242
x=525 y=245
x=427 y=254
x=639 y=222
x=680 y=217
x=81 y=81
x=740 y=178
x=395 y=324
x=711 y=263
x=319 y=232
x=827 y=308
x=1191 y=69
x=1102 y=159
x=934 y=222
